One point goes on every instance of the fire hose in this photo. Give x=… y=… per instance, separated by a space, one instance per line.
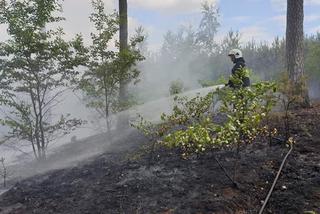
x=276 y=179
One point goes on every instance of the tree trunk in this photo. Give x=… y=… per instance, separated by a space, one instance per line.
x=106 y=100
x=123 y=14
x=295 y=47
x=123 y=34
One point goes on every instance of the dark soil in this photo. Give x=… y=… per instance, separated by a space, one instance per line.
x=119 y=182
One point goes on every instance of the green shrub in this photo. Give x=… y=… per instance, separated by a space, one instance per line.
x=245 y=108
x=191 y=128
x=176 y=87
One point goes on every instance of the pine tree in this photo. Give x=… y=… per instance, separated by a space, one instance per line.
x=295 y=47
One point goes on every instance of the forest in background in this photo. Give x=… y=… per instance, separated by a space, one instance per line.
x=192 y=56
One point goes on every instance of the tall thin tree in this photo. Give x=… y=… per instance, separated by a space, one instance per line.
x=123 y=39
x=295 y=46
x=123 y=15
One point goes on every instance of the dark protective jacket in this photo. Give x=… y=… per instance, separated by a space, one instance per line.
x=238 y=64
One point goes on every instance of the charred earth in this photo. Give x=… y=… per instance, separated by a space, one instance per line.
x=118 y=181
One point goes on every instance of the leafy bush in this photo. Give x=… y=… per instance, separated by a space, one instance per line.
x=245 y=108
x=176 y=87
x=185 y=112
x=191 y=127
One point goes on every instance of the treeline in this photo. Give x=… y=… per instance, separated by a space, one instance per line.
x=192 y=56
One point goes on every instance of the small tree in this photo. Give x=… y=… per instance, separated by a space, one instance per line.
x=208 y=26
x=102 y=79
x=176 y=87
x=245 y=108
x=36 y=68
x=289 y=97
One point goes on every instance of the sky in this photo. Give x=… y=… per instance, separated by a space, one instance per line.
x=261 y=20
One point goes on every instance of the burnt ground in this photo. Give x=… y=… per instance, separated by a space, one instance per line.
x=119 y=182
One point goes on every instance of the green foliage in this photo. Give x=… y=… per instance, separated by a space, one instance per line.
x=185 y=112
x=190 y=127
x=100 y=81
x=245 y=109
x=147 y=128
x=107 y=67
x=236 y=78
x=312 y=54
x=37 y=66
x=176 y=87
x=193 y=139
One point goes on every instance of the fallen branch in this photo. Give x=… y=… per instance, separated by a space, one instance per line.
x=226 y=173
x=276 y=179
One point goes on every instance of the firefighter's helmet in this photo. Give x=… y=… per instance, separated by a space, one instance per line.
x=236 y=53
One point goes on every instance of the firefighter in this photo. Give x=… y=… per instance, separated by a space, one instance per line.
x=239 y=65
